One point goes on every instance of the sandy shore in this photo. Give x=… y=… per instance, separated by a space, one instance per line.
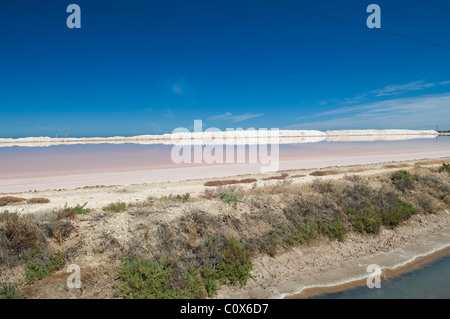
x=63 y=190
x=320 y=266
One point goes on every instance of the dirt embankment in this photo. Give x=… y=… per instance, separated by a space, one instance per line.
x=301 y=231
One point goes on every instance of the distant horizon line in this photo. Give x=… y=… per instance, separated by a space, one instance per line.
x=230 y=137
x=216 y=130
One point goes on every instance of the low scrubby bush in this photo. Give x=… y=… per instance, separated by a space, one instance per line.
x=403 y=180
x=306 y=232
x=334 y=229
x=38 y=200
x=159 y=279
x=145 y=279
x=8 y=291
x=37 y=270
x=230 y=196
x=402 y=212
x=5 y=200
x=444 y=168
x=21 y=232
x=115 y=207
x=366 y=221
x=236 y=266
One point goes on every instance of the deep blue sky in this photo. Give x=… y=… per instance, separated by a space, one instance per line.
x=147 y=67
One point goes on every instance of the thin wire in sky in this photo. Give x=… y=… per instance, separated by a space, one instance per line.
x=436 y=5
x=355 y=24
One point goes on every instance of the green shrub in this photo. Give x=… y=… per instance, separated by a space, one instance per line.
x=229 y=196
x=402 y=180
x=184 y=198
x=145 y=279
x=367 y=221
x=334 y=229
x=306 y=232
x=210 y=281
x=8 y=291
x=194 y=284
x=38 y=270
x=402 y=211
x=81 y=210
x=236 y=266
x=34 y=251
x=444 y=168
x=115 y=207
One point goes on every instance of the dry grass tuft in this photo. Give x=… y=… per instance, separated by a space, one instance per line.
x=65 y=213
x=230 y=182
x=38 y=200
x=323 y=173
x=20 y=232
x=5 y=200
x=273 y=177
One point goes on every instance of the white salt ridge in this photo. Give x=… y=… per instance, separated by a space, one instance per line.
x=229 y=137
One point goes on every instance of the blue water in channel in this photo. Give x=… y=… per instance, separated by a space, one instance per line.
x=432 y=281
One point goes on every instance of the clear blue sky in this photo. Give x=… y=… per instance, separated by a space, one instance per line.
x=147 y=67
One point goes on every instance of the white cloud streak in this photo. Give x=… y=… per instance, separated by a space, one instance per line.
x=402 y=88
x=422 y=112
x=390 y=90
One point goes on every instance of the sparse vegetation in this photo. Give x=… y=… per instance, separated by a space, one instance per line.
x=402 y=180
x=236 y=266
x=38 y=200
x=65 y=213
x=209 y=193
x=204 y=244
x=402 y=211
x=306 y=232
x=274 y=178
x=21 y=232
x=146 y=279
x=230 y=196
x=36 y=270
x=115 y=207
x=366 y=221
x=8 y=291
x=184 y=198
x=81 y=210
x=10 y=199
x=426 y=203
x=444 y=168
x=334 y=229
x=230 y=182
x=323 y=173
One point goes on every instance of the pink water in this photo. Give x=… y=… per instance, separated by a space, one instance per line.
x=38 y=168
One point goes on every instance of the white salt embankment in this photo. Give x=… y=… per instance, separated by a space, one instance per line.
x=230 y=137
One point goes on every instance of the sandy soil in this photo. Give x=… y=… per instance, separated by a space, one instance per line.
x=97 y=197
